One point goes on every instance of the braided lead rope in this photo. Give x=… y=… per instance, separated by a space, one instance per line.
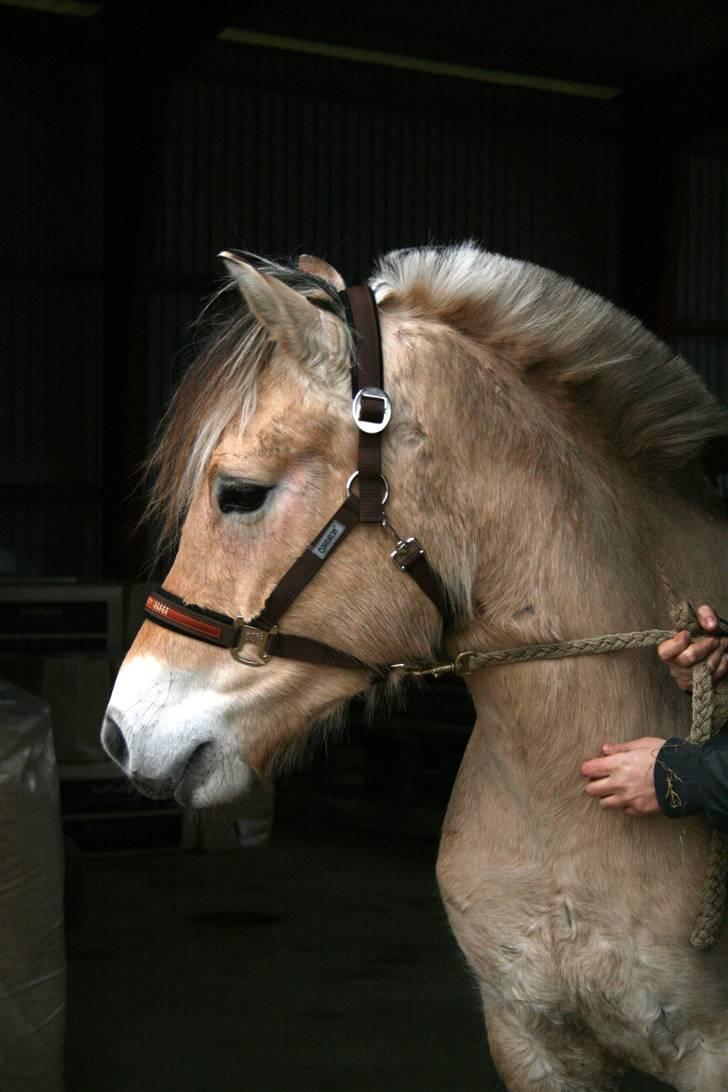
x=714 y=894
x=714 y=890
x=710 y=713
x=561 y=650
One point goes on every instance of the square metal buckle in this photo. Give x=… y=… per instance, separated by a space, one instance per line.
x=259 y=639
x=381 y=396
x=406 y=552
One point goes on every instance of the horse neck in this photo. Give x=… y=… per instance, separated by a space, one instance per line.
x=565 y=560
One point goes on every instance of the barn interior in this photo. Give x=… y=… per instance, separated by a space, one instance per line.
x=296 y=942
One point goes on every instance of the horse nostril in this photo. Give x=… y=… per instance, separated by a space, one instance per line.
x=200 y=761
x=114 y=743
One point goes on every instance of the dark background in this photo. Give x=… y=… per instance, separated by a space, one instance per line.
x=136 y=141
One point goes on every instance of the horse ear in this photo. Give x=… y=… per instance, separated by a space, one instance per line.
x=319 y=268
x=310 y=334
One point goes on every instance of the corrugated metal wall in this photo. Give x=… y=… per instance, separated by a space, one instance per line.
x=281 y=173
x=50 y=322
x=272 y=157
x=702 y=298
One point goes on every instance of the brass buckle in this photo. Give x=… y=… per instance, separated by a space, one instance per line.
x=258 y=638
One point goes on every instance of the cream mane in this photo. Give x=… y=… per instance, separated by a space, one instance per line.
x=651 y=405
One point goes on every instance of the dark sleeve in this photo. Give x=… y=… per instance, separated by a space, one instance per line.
x=690 y=778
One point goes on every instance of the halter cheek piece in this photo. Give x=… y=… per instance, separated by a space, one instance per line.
x=254 y=642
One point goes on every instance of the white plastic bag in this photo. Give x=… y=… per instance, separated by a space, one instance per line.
x=32 y=951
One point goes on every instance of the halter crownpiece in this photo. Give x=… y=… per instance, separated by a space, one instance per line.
x=254 y=642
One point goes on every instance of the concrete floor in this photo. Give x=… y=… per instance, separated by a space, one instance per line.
x=320 y=964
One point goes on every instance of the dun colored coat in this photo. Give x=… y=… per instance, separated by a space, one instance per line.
x=544 y=449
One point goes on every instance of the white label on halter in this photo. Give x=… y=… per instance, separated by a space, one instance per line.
x=328 y=539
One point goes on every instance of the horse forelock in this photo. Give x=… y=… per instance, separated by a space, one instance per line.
x=218 y=389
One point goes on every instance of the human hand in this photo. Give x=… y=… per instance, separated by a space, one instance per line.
x=625 y=777
x=680 y=655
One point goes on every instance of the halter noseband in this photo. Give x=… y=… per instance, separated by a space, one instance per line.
x=254 y=642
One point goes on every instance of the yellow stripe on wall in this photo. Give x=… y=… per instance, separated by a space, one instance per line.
x=55 y=7
x=417 y=64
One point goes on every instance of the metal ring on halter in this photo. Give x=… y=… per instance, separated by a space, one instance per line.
x=355 y=475
x=379 y=395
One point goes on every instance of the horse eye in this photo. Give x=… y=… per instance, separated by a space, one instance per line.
x=241 y=496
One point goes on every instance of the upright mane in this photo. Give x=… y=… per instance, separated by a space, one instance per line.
x=650 y=404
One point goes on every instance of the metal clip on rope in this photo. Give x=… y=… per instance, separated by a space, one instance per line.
x=460 y=666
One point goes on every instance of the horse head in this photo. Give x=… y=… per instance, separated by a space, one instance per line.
x=255 y=458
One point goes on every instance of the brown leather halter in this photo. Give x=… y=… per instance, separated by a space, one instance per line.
x=254 y=642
